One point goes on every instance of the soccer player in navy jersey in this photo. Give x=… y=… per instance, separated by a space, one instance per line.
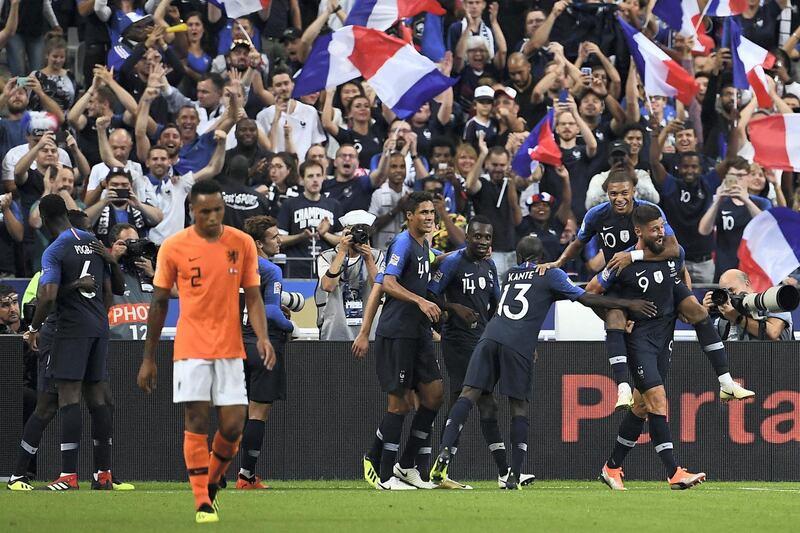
x=649 y=349
x=503 y=356
x=80 y=346
x=613 y=223
x=404 y=348
x=263 y=386
x=467 y=283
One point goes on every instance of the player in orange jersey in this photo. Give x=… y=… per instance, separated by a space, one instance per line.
x=209 y=262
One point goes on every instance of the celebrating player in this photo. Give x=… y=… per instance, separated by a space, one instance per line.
x=264 y=386
x=504 y=353
x=209 y=262
x=79 y=348
x=612 y=221
x=650 y=350
x=404 y=347
x=467 y=279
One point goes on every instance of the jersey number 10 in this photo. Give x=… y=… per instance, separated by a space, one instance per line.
x=521 y=290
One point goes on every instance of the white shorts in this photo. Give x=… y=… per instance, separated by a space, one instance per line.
x=219 y=381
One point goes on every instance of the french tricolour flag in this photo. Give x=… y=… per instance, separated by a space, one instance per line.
x=776 y=141
x=683 y=16
x=749 y=62
x=401 y=77
x=661 y=75
x=240 y=8
x=540 y=146
x=770 y=247
x=382 y=14
x=726 y=8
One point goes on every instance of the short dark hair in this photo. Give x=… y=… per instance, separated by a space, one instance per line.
x=530 y=248
x=620 y=176
x=214 y=78
x=630 y=126
x=308 y=164
x=78 y=218
x=644 y=214
x=117 y=229
x=5 y=290
x=440 y=141
x=415 y=199
x=431 y=179
x=157 y=147
x=278 y=70
x=257 y=225
x=52 y=207
x=684 y=155
x=205 y=187
x=498 y=150
x=479 y=219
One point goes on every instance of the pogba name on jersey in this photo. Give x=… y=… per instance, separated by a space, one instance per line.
x=83 y=249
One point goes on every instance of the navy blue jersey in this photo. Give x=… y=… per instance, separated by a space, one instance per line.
x=647 y=280
x=270 y=286
x=473 y=284
x=67 y=259
x=524 y=303
x=730 y=222
x=409 y=262
x=615 y=231
x=685 y=204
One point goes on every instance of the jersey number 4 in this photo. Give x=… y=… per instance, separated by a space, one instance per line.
x=521 y=290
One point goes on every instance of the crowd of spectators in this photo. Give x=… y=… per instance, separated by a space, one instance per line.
x=153 y=111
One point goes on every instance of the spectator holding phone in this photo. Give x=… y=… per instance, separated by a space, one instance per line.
x=731 y=209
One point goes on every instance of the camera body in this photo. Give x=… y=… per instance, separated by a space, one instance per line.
x=138 y=248
x=360 y=233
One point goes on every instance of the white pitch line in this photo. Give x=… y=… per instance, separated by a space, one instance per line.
x=767 y=489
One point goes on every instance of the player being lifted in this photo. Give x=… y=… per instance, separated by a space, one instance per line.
x=467 y=282
x=263 y=386
x=504 y=354
x=612 y=222
x=405 y=357
x=649 y=349
x=209 y=262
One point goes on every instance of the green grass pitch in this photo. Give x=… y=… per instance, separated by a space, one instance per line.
x=350 y=506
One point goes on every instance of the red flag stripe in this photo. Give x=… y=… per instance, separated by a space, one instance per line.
x=371 y=49
x=768 y=136
x=758 y=278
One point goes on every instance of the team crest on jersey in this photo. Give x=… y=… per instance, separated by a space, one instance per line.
x=233 y=256
x=624 y=235
x=482 y=282
x=394 y=260
x=276 y=287
x=606 y=273
x=438 y=276
x=658 y=276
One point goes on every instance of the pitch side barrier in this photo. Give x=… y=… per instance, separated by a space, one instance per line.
x=335 y=405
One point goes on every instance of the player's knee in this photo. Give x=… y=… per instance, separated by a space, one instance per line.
x=656 y=401
x=398 y=405
x=615 y=319
x=640 y=409
x=433 y=398
x=231 y=431
x=487 y=407
x=46 y=410
x=518 y=407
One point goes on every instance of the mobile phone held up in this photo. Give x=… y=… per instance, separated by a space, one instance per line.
x=562 y=96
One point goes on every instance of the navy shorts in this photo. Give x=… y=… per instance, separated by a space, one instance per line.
x=403 y=364
x=44 y=383
x=265 y=386
x=650 y=351
x=493 y=364
x=456 y=354
x=79 y=359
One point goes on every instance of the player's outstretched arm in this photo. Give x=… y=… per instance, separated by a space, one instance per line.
x=258 y=321
x=636 y=306
x=155 y=322
x=361 y=343
x=622 y=260
x=569 y=253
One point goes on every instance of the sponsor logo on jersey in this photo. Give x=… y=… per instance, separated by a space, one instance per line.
x=394 y=260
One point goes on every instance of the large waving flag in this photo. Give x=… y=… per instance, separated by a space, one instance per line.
x=432 y=41
x=683 y=16
x=401 y=77
x=540 y=146
x=770 y=247
x=749 y=62
x=382 y=14
x=661 y=75
x=776 y=141
x=725 y=8
x=240 y=8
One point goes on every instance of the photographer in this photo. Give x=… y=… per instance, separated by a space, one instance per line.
x=121 y=205
x=127 y=316
x=346 y=275
x=735 y=326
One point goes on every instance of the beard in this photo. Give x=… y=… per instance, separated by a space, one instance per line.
x=654 y=246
